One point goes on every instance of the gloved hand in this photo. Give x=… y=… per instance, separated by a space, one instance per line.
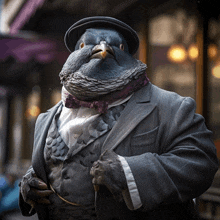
x=108 y=171
x=33 y=189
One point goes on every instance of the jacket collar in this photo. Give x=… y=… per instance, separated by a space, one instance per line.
x=138 y=108
x=144 y=95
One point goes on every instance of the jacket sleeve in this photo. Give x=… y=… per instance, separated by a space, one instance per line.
x=187 y=165
x=25 y=207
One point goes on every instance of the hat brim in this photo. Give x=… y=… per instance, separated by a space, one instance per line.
x=76 y=31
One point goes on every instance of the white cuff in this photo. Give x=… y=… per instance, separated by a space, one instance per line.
x=132 y=187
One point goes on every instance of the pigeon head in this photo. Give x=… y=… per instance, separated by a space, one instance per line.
x=99 y=64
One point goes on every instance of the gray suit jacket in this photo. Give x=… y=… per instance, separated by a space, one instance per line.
x=167 y=146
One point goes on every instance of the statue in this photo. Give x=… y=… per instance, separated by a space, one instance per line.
x=116 y=146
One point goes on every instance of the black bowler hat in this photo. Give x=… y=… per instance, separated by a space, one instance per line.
x=77 y=29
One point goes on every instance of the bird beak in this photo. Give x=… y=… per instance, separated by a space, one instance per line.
x=102 y=51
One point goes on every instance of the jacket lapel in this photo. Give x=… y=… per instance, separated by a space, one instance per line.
x=136 y=110
x=42 y=125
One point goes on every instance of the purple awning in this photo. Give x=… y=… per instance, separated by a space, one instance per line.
x=42 y=51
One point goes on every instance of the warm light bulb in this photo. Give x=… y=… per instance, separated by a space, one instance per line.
x=177 y=53
x=193 y=52
x=33 y=111
x=216 y=71
x=212 y=51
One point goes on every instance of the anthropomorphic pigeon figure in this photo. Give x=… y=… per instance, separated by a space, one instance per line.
x=116 y=146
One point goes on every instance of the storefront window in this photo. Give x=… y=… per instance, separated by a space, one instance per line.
x=173 y=52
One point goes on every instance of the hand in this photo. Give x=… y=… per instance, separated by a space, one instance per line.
x=34 y=190
x=108 y=171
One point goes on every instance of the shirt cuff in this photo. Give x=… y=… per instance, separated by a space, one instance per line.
x=132 y=187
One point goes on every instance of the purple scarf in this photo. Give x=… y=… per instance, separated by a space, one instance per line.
x=102 y=104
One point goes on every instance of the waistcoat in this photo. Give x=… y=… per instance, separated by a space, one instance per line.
x=68 y=169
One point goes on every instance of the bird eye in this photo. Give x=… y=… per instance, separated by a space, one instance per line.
x=82 y=45
x=122 y=47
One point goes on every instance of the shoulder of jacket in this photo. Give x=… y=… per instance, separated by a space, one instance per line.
x=54 y=107
x=43 y=115
x=169 y=99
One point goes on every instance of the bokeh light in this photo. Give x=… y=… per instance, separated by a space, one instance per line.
x=216 y=71
x=193 y=52
x=177 y=53
x=212 y=51
x=33 y=111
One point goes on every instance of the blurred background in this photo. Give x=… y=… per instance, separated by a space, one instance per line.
x=179 y=41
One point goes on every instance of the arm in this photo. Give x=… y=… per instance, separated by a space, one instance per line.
x=183 y=171
x=188 y=162
x=32 y=187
